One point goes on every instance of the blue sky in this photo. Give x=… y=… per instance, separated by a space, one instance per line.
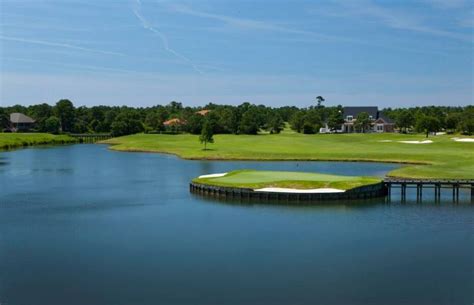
x=148 y=52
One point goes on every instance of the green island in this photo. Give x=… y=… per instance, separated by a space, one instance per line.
x=444 y=158
x=16 y=140
x=281 y=179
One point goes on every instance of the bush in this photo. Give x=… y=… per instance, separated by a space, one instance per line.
x=52 y=125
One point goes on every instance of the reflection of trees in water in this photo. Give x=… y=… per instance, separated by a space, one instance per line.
x=3 y=161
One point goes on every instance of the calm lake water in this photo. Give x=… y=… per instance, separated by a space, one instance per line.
x=84 y=225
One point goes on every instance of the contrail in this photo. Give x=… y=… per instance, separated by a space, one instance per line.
x=164 y=39
x=58 y=44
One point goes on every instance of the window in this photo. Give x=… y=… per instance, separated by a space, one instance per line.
x=370 y=117
x=349 y=117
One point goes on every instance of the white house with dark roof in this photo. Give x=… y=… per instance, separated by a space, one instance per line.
x=379 y=121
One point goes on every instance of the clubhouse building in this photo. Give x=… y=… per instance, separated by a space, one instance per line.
x=379 y=121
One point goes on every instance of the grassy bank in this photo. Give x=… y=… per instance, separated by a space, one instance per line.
x=297 y=180
x=444 y=158
x=16 y=140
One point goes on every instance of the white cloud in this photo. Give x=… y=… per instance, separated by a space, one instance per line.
x=59 y=45
x=147 y=25
x=395 y=19
x=250 y=24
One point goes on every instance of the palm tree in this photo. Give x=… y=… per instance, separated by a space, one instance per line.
x=320 y=100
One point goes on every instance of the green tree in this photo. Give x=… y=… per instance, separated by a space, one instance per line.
x=4 y=119
x=52 y=125
x=452 y=121
x=154 y=121
x=275 y=124
x=312 y=121
x=404 y=120
x=127 y=122
x=319 y=101
x=335 y=119
x=195 y=123
x=40 y=113
x=427 y=124
x=362 y=122
x=297 y=121
x=109 y=118
x=250 y=122
x=466 y=123
x=64 y=111
x=175 y=107
x=207 y=134
x=228 y=119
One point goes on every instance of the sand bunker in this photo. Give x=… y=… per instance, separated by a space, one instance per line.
x=416 y=142
x=287 y=190
x=467 y=140
x=385 y=141
x=213 y=175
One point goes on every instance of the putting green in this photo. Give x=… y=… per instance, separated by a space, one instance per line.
x=297 y=180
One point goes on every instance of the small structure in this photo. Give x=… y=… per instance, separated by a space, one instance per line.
x=203 y=112
x=174 y=122
x=174 y=125
x=20 y=122
x=379 y=121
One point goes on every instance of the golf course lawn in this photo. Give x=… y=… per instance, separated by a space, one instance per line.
x=14 y=140
x=444 y=158
x=294 y=180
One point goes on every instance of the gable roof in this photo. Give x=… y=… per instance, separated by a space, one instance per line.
x=386 y=119
x=20 y=118
x=174 y=122
x=354 y=111
x=203 y=112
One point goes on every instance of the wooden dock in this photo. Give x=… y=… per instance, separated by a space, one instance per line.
x=91 y=137
x=435 y=184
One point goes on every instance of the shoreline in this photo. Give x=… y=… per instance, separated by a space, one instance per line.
x=13 y=141
x=402 y=162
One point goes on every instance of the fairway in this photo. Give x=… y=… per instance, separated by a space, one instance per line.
x=444 y=158
x=296 y=180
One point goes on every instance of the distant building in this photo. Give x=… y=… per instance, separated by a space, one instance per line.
x=379 y=121
x=203 y=112
x=174 y=122
x=384 y=123
x=174 y=125
x=20 y=122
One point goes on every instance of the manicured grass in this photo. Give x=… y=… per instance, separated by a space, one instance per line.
x=297 y=180
x=15 y=140
x=444 y=158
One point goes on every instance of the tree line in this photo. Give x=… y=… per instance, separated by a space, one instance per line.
x=245 y=118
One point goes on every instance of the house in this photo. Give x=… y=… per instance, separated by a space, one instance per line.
x=20 y=122
x=203 y=112
x=174 y=122
x=174 y=125
x=379 y=121
x=384 y=123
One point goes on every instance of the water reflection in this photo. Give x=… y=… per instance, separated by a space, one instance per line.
x=84 y=225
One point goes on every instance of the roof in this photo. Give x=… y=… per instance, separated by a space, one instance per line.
x=174 y=122
x=20 y=118
x=354 y=111
x=386 y=119
x=203 y=112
